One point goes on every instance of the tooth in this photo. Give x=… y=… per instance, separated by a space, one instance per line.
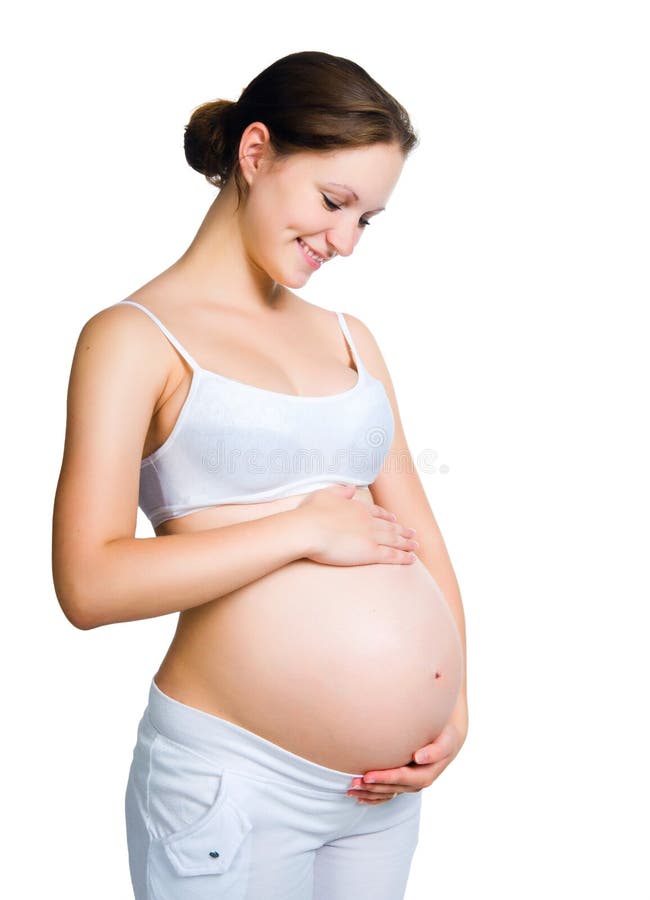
x=310 y=252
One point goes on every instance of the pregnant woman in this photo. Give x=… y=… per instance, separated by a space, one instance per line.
x=321 y=640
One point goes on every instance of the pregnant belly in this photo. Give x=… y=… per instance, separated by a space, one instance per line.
x=352 y=667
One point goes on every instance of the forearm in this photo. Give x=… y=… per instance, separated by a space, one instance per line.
x=139 y=578
x=459 y=718
x=436 y=559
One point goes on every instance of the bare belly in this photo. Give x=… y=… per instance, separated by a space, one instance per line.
x=352 y=667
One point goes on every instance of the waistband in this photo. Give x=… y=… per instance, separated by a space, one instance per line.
x=235 y=747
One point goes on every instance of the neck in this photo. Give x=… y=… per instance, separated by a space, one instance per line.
x=216 y=266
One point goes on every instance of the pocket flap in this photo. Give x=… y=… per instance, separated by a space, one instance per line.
x=209 y=846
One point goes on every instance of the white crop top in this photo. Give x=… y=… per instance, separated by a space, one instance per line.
x=235 y=443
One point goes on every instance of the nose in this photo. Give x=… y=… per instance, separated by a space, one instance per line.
x=344 y=237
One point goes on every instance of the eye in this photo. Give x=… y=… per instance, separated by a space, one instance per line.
x=332 y=205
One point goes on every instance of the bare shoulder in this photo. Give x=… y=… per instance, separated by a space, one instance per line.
x=121 y=322
x=119 y=372
x=369 y=349
x=122 y=335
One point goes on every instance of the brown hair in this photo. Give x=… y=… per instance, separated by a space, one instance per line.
x=308 y=101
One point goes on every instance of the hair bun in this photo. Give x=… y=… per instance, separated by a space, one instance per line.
x=207 y=140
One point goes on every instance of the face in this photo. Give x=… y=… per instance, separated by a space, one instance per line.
x=307 y=202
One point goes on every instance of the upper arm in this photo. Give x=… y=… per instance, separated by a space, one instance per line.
x=398 y=487
x=117 y=377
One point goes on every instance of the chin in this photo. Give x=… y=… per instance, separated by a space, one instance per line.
x=283 y=272
x=295 y=281
x=290 y=279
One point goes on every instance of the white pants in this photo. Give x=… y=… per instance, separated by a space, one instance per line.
x=215 y=811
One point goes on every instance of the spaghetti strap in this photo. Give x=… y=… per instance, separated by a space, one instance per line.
x=346 y=331
x=183 y=352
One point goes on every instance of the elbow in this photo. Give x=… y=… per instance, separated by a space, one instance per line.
x=81 y=615
x=79 y=608
x=76 y=585
x=81 y=619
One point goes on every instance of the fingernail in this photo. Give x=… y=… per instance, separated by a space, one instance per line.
x=370 y=780
x=420 y=757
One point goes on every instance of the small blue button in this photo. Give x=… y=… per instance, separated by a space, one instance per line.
x=214 y=854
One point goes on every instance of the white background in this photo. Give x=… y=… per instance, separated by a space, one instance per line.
x=505 y=284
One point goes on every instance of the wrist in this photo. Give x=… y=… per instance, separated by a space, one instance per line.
x=299 y=532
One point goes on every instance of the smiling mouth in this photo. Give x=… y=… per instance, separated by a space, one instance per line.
x=312 y=253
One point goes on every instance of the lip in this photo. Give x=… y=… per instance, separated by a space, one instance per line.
x=315 y=263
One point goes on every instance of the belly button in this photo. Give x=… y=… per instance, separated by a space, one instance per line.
x=437 y=675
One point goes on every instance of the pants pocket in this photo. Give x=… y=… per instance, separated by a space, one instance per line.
x=210 y=845
x=192 y=816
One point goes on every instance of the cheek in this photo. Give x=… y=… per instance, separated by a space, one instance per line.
x=260 y=226
x=278 y=214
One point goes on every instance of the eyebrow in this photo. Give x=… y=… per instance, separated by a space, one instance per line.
x=354 y=193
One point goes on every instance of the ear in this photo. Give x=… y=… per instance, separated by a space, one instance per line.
x=254 y=150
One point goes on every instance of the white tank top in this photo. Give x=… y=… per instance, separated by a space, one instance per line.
x=235 y=443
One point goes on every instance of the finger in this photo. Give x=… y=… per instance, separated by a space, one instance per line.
x=395 y=555
x=441 y=749
x=392 y=535
x=403 y=778
x=382 y=513
x=380 y=791
x=372 y=798
x=375 y=789
x=395 y=529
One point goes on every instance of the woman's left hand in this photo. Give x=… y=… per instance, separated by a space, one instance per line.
x=431 y=761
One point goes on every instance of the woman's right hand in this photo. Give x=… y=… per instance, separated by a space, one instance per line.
x=345 y=533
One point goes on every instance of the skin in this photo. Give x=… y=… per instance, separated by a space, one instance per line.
x=246 y=260
x=280 y=207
